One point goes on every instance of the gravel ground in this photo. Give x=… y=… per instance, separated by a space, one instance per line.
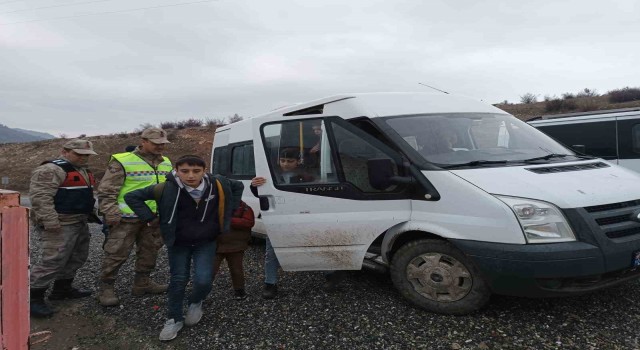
x=365 y=312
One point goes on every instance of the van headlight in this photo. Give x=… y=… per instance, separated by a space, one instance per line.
x=541 y=222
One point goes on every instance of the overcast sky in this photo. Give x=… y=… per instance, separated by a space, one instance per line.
x=106 y=73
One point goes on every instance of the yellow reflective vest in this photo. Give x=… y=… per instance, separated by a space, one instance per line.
x=139 y=174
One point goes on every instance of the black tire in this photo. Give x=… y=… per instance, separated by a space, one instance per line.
x=446 y=283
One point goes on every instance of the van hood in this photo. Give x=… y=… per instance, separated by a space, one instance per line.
x=566 y=189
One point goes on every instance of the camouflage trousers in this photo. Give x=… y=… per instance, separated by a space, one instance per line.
x=63 y=253
x=119 y=243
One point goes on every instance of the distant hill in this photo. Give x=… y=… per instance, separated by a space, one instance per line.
x=42 y=135
x=10 y=135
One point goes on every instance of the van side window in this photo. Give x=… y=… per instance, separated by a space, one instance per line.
x=299 y=152
x=221 y=161
x=242 y=162
x=635 y=137
x=629 y=137
x=598 y=138
x=354 y=153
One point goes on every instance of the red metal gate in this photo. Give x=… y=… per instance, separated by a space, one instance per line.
x=14 y=272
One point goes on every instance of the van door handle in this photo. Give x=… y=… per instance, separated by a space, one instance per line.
x=264 y=203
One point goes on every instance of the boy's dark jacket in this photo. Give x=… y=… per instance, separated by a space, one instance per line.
x=232 y=190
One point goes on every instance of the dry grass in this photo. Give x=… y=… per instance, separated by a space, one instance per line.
x=17 y=160
x=531 y=110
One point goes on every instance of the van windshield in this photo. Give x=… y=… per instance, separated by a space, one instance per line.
x=471 y=140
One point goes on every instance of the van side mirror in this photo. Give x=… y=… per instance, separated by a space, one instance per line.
x=579 y=148
x=380 y=172
x=381 y=176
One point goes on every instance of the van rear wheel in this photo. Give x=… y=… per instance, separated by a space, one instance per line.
x=438 y=277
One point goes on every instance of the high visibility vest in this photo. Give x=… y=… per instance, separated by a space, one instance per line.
x=139 y=174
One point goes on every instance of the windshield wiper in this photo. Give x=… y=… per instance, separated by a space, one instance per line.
x=554 y=155
x=475 y=163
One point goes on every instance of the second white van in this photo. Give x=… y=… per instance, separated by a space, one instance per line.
x=613 y=135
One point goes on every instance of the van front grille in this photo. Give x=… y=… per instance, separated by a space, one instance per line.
x=612 y=220
x=617 y=220
x=565 y=168
x=623 y=233
x=612 y=206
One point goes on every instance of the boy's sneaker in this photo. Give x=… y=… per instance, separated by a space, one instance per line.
x=194 y=314
x=239 y=294
x=170 y=330
x=270 y=291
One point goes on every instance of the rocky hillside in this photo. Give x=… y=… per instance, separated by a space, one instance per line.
x=17 y=160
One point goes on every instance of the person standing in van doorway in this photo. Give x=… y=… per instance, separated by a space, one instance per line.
x=271 y=263
x=231 y=247
x=61 y=192
x=288 y=173
x=127 y=172
x=194 y=208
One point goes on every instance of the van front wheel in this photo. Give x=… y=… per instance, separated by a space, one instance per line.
x=437 y=277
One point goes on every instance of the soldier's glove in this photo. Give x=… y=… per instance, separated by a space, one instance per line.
x=155 y=223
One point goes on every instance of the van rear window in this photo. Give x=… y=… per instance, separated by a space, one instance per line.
x=221 y=161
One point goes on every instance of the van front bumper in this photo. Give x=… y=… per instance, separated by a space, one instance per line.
x=547 y=270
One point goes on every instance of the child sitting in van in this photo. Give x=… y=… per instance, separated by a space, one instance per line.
x=289 y=172
x=231 y=247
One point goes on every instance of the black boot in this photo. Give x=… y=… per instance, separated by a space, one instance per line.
x=270 y=291
x=62 y=289
x=239 y=294
x=38 y=306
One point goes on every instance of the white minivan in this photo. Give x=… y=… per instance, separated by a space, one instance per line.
x=457 y=198
x=613 y=135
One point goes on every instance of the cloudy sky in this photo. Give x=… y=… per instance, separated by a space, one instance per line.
x=64 y=68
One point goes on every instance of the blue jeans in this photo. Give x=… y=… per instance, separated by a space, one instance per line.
x=180 y=268
x=271 y=264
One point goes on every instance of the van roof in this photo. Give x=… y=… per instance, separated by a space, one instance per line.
x=379 y=104
x=383 y=104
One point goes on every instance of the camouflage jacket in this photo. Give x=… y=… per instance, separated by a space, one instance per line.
x=112 y=182
x=44 y=184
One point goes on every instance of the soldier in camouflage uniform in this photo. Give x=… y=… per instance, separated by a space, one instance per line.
x=126 y=172
x=61 y=194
